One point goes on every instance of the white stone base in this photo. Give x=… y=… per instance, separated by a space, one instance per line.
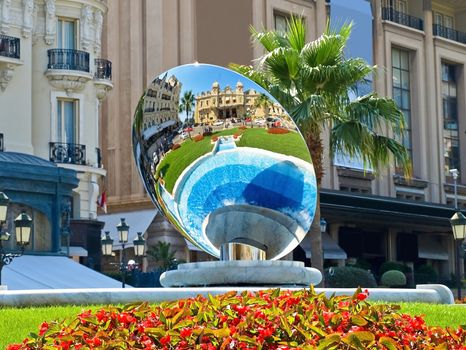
x=237 y=273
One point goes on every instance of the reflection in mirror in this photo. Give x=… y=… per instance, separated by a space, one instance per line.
x=224 y=162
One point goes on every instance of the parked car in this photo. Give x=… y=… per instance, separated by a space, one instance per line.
x=184 y=135
x=259 y=121
x=219 y=122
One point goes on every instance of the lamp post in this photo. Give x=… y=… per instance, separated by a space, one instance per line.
x=23 y=225
x=458 y=225
x=123 y=233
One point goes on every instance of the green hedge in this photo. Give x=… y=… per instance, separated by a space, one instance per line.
x=349 y=277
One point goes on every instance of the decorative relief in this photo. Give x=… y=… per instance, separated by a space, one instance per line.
x=28 y=17
x=6 y=6
x=50 y=22
x=87 y=17
x=98 y=18
x=6 y=74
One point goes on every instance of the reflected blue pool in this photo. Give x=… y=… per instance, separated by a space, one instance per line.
x=225 y=144
x=245 y=176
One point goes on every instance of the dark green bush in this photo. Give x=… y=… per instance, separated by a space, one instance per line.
x=393 y=265
x=393 y=278
x=425 y=274
x=349 y=277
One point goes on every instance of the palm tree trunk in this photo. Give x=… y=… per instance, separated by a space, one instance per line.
x=314 y=143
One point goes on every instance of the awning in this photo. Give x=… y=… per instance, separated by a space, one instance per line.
x=52 y=272
x=77 y=251
x=138 y=221
x=331 y=248
x=432 y=247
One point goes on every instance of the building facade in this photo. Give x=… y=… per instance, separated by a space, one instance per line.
x=217 y=105
x=420 y=47
x=53 y=79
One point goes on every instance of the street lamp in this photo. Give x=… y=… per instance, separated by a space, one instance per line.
x=23 y=225
x=323 y=225
x=139 y=245
x=123 y=233
x=458 y=224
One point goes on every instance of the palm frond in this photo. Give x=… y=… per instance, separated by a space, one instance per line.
x=249 y=72
x=375 y=112
x=270 y=40
x=296 y=33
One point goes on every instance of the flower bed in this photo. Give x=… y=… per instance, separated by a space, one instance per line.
x=264 y=320
x=277 y=131
x=176 y=146
x=214 y=138
x=242 y=127
x=198 y=138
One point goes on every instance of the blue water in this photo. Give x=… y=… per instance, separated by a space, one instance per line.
x=245 y=177
x=225 y=144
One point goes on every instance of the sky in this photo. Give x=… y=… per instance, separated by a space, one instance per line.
x=199 y=77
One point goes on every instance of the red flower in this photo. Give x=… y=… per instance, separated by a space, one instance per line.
x=43 y=328
x=165 y=340
x=185 y=332
x=362 y=295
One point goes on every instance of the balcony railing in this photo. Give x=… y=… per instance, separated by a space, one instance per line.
x=392 y=15
x=70 y=153
x=103 y=69
x=9 y=46
x=68 y=59
x=449 y=33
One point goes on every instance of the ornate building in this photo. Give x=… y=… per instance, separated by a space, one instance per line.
x=218 y=104
x=161 y=105
x=53 y=79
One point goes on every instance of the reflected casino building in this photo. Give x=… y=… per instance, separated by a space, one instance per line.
x=372 y=218
x=218 y=104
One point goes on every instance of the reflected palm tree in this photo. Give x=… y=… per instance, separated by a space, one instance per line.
x=264 y=103
x=187 y=103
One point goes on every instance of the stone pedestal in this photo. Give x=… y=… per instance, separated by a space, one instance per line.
x=241 y=273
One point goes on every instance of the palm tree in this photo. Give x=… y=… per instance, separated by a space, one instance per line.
x=262 y=101
x=163 y=255
x=312 y=81
x=187 y=103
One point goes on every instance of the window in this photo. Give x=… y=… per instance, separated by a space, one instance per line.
x=451 y=147
x=66 y=34
x=67 y=121
x=397 y=5
x=443 y=20
x=402 y=91
x=280 y=22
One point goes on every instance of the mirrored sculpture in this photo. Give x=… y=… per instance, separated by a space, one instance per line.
x=224 y=162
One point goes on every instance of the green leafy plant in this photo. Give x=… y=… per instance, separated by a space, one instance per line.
x=393 y=278
x=163 y=255
x=270 y=319
x=394 y=265
x=349 y=277
x=425 y=274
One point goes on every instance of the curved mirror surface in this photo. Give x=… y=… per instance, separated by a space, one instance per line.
x=223 y=161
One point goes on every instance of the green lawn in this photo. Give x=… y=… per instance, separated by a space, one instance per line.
x=173 y=164
x=16 y=324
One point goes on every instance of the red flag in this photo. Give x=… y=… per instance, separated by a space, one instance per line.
x=102 y=202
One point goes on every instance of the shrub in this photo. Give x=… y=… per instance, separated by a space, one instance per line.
x=270 y=319
x=349 y=277
x=176 y=146
x=214 y=138
x=277 y=131
x=425 y=274
x=393 y=278
x=393 y=265
x=198 y=138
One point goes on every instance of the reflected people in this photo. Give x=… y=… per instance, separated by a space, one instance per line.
x=223 y=161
